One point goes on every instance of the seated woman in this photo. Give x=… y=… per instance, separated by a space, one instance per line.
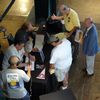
x=34 y=52
x=28 y=32
x=29 y=58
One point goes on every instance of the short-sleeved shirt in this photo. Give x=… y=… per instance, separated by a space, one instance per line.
x=72 y=20
x=61 y=55
x=11 y=51
x=13 y=80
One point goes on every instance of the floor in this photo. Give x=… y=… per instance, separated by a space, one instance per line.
x=83 y=87
x=16 y=16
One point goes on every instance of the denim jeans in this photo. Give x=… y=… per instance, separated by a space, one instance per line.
x=27 y=97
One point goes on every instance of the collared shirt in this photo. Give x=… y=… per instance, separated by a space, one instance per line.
x=11 y=51
x=71 y=21
x=87 y=30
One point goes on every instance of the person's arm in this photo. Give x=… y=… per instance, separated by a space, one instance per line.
x=29 y=71
x=52 y=66
x=26 y=77
x=81 y=39
x=73 y=30
x=52 y=63
x=1 y=82
x=52 y=69
x=54 y=17
x=3 y=86
x=32 y=58
x=22 y=65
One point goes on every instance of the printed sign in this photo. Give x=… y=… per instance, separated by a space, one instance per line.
x=13 y=80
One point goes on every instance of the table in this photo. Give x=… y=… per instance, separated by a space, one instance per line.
x=59 y=95
x=39 y=87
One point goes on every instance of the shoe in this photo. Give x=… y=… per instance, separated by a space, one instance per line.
x=64 y=87
x=90 y=75
x=84 y=70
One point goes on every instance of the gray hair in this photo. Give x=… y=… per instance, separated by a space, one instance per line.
x=89 y=18
x=65 y=7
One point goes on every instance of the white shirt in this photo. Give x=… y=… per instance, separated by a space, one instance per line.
x=11 y=51
x=88 y=29
x=61 y=55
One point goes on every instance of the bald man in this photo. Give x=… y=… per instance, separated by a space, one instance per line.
x=13 y=80
x=72 y=23
x=90 y=45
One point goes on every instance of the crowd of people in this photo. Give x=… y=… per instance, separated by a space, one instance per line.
x=63 y=49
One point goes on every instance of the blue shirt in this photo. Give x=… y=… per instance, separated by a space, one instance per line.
x=90 y=44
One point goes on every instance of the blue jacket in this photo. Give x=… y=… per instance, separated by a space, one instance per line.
x=90 y=43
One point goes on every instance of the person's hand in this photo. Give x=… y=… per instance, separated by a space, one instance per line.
x=54 y=17
x=51 y=71
x=29 y=67
x=28 y=63
x=35 y=49
x=81 y=41
x=67 y=34
x=32 y=58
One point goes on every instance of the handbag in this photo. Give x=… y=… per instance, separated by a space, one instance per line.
x=78 y=36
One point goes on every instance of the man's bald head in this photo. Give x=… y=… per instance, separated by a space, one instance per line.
x=13 y=60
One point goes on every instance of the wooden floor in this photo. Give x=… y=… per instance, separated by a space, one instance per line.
x=85 y=88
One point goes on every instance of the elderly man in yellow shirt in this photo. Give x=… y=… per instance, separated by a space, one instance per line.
x=72 y=24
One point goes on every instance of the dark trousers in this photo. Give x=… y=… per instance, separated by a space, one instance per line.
x=75 y=46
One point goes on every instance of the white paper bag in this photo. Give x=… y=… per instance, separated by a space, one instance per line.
x=32 y=64
x=78 y=35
